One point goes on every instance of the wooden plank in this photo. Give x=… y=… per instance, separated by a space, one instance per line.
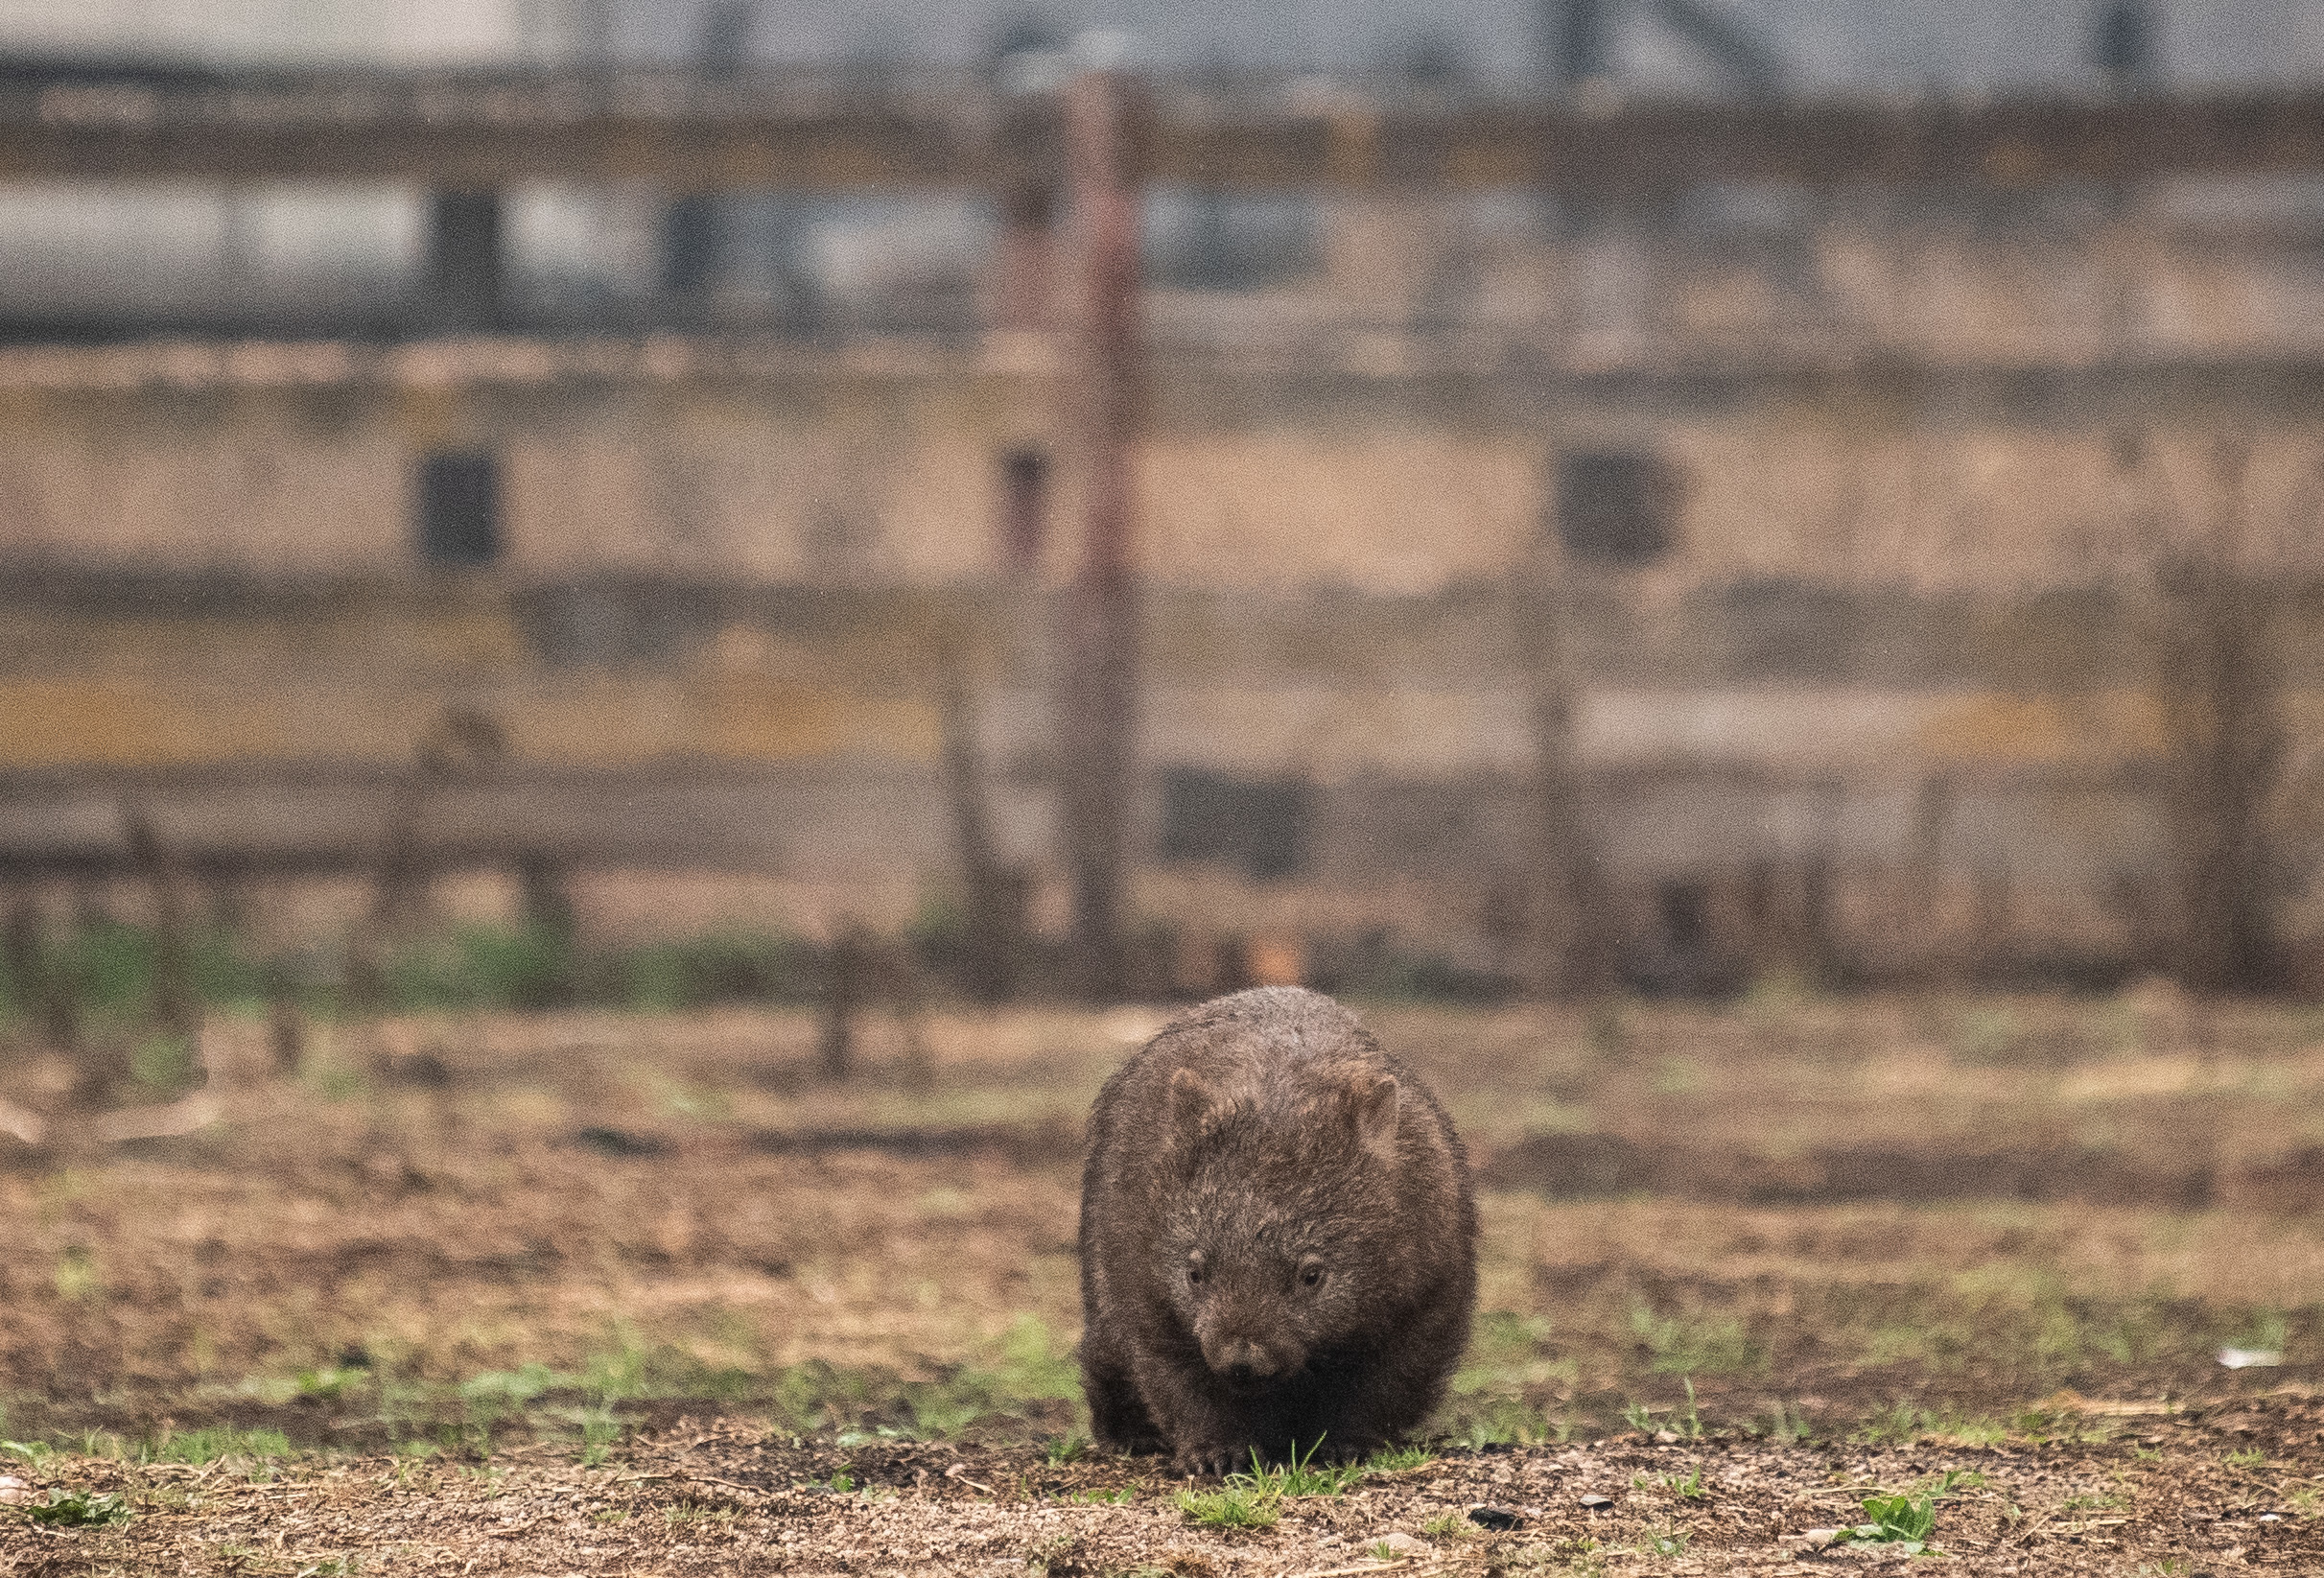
x=837 y=132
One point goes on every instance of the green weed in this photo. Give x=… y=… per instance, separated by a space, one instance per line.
x=1686 y=1487
x=79 y=1510
x=1907 y=1520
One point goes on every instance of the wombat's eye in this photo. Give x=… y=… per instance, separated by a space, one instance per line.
x=1194 y=1273
x=1311 y=1275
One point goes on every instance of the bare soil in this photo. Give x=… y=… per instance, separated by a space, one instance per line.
x=2207 y=1490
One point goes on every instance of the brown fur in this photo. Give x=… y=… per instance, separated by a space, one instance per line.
x=1257 y=1141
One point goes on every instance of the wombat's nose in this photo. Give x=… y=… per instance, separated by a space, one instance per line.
x=1240 y=1373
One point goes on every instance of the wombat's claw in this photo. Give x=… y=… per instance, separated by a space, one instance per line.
x=1209 y=1462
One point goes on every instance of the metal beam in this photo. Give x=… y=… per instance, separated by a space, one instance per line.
x=693 y=133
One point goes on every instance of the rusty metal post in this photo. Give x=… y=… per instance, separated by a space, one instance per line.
x=1099 y=646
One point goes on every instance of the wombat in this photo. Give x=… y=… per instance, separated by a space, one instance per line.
x=1278 y=1239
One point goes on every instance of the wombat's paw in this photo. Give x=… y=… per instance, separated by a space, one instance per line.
x=1145 y=1445
x=1340 y=1452
x=1213 y=1461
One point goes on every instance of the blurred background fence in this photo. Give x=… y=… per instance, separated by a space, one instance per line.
x=576 y=502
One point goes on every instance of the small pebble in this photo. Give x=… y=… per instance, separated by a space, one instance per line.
x=1402 y=1542
x=13 y=1491
x=1594 y=1502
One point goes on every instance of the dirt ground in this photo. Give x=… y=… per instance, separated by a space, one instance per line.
x=587 y=1293
x=2227 y=1488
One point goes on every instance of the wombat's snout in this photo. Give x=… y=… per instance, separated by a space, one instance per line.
x=1241 y=1360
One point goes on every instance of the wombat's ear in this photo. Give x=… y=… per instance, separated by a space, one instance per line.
x=1191 y=1106
x=1372 y=1109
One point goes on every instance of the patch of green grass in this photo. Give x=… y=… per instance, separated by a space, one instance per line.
x=163 y=1066
x=1238 y=1504
x=1029 y=1365
x=34 y=1453
x=680 y=1513
x=1450 y=1525
x=2269 y=1332
x=1786 y=1427
x=1397 y=1459
x=505 y=1394
x=599 y=1430
x=1502 y=1421
x=717 y=967
x=1686 y=1487
x=1662 y=1541
x=1252 y=1500
x=328 y=1383
x=1120 y=1496
x=214 y=1445
x=2040 y=1426
x=1903 y=1422
x=77 y=1277
x=1697 y=1345
x=1302 y=1476
x=1686 y=1424
x=1490 y=1399
x=79 y=1510
x=2248 y=1457
x=483 y=967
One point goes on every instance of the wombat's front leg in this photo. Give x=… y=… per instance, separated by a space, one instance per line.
x=1118 y=1414
x=1207 y=1436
